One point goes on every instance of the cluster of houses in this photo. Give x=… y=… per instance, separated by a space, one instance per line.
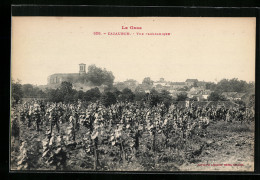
x=193 y=87
x=234 y=95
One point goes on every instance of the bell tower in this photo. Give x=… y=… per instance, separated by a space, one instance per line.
x=82 y=68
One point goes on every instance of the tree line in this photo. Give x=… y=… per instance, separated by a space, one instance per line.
x=231 y=85
x=66 y=93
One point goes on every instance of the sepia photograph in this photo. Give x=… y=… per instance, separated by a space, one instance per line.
x=135 y=94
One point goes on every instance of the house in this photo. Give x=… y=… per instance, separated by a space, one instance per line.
x=195 y=94
x=205 y=94
x=239 y=96
x=174 y=93
x=229 y=95
x=161 y=82
x=196 y=89
x=147 y=91
x=199 y=93
x=191 y=94
x=199 y=97
x=177 y=85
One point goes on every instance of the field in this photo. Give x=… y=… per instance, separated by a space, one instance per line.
x=230 y=143
x=222 y=146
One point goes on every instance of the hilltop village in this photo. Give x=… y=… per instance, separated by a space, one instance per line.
x=195 y=89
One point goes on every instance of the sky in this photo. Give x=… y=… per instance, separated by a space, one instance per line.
x=208 y=49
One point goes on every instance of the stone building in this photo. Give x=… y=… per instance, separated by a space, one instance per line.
x=58 y=78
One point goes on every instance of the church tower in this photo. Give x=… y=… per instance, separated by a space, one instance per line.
x=82 y=68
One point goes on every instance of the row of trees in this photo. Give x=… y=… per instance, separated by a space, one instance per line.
x=20 y=91
x=66 y=93
x=232 y=85
x=225 y=85
x=16 y=90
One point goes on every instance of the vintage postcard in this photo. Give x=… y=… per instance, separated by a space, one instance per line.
x=146 y=94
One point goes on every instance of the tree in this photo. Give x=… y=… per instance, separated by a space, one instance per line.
x=139 y=88
x=130 y=83
x=147 y=81
x=251 y=101
x=66 y=88
x=108 y=98
x=232 y=85
x=113 y=90
x=127 y=95
x=182 y=96
x=54 y=95
x=39 y=93
x=165 y=97
x=92 y=95
x=16 y=90
x=185 y=88
x=154 y=92
x=195 y=84
x=140 y=96
x=214 y=96
x=154 y=98
x=210 y=86
x=63 y=93
x=120 y=86
x=108 y=77
x=78 y=95
x=28 y=90
x=99 y=76
x=66 y=91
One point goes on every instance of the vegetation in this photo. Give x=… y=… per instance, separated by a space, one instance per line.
x=147 y=81
x=66 y=93
x=182 y=96
x=123 y=130
x=99 y=76
x=232 y=85
x=126 y=136
x=16 y=90
x=216 y=97
x=32 y=91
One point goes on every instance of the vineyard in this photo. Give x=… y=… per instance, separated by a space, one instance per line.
x=129 y=136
